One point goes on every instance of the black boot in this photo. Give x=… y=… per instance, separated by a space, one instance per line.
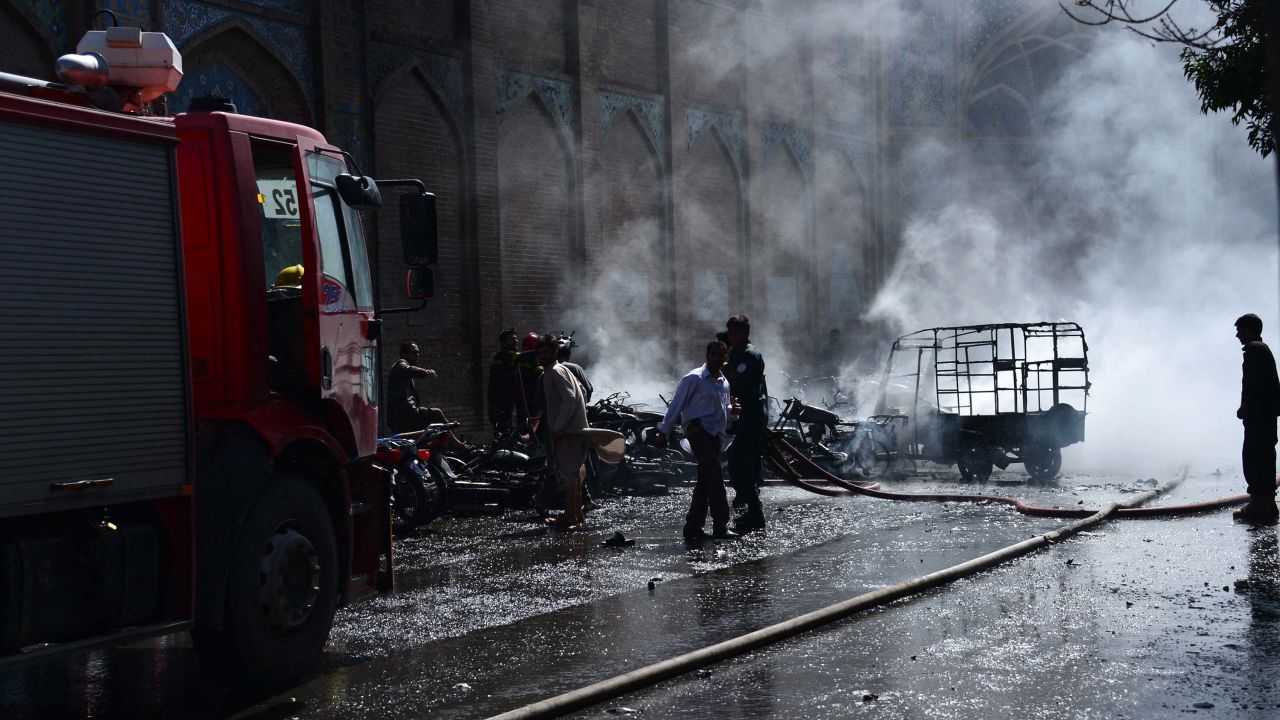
x=750 y=521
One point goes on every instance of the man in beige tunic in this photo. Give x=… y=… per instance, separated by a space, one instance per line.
x=566 y=418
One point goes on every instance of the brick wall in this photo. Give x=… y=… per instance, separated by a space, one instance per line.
x=535 y=218
x=781 y=253
x=25 y=51
x=709 y=281
x=414 y=137
x=535 y=191
x=627 y=269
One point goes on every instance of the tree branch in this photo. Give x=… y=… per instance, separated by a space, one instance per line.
x=1158 y=26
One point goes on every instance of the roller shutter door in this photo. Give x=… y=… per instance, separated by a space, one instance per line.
x=92 y=378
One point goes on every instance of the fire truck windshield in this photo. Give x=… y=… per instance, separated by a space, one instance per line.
x=342 y=245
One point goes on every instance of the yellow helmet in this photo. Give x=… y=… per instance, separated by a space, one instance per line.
x=289 y=277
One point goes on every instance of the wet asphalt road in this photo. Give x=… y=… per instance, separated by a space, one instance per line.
x=493 y=612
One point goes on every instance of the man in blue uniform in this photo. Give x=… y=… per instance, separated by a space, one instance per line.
x=745 y=371
x=1259 y=407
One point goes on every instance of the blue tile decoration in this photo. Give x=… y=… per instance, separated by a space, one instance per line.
x=732 y=129
x=215 y=79
x=859 y=151
x=844 y=296
x=347 y=130
x=557 y=94
x=348 y=22
x=52 y=18
x=983 y=19
x=185 y=19
x=295 y=7
x=650 y=111
x=851 y=65
x=446 y=74
x=136 y=13
x=798 y=139
x=921 y=69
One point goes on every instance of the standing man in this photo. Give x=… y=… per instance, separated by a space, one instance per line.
x=565 y=418
x=405 y=412
x=504 y=385
x=745 y=371
x=702 y=405
x=1259 y=407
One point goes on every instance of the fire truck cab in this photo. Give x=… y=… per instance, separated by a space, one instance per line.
x=188 y=382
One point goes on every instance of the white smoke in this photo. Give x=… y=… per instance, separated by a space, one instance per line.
x=1147 y=222
x=1153 y=226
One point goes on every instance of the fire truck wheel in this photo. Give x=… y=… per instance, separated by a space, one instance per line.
x=282 y=588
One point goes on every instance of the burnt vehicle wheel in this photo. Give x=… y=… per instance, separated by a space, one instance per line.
x=869 y=456
x=1042 y=464
x=410 y=503
x=282 y=590
x=975 y=463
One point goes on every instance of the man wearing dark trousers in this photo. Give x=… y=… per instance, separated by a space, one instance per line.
x=745 y=372
x=702 y=405
x=505 y=394
x=1259 y=407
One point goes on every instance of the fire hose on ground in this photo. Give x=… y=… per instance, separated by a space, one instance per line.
x=776 y=451
x=778 y=448
x=652 y=674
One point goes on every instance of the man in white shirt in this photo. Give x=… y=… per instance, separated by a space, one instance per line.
x=566 y=418
x=702 y=405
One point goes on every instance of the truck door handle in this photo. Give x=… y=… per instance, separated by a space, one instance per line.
x=326 y=369
x=83 y=484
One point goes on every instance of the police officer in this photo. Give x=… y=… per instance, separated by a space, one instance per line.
x=1259 y=407
x=745 y=371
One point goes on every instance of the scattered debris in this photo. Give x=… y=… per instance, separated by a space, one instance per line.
x=618 y=540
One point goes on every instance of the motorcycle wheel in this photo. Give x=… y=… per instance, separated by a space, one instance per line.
x=410 y=504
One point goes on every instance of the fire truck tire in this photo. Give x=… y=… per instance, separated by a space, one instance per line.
x=282 y=590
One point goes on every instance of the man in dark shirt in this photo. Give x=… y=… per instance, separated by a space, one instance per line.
x=1259 y=407
x=405 y=412
x=505 y=394
x=745 y=371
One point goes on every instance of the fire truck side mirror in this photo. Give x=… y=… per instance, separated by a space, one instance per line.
x=358 y=191
x=418 y=233
x=420 y=283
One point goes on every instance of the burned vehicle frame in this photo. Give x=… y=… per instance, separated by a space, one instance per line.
x=985 y=396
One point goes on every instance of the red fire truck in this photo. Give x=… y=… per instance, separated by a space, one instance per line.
x=188 y=375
